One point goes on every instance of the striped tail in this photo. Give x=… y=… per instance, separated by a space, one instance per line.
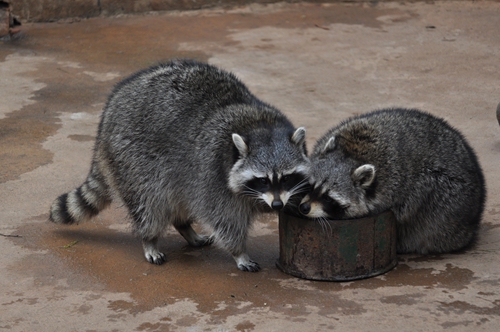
x=81 y=203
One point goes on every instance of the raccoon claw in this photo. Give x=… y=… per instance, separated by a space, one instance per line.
x=203 y=241
x=156 y=258
x=192 y=237
x=210 y=240
x=251 y=266
x=244 y=263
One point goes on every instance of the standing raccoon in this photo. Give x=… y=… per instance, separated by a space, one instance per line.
x=406 y=161
x=185 y=142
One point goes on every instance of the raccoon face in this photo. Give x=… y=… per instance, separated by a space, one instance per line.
x=270 y=169
x=338 y=192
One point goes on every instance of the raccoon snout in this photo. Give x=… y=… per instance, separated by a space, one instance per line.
x=277 y=205
x=305 y=208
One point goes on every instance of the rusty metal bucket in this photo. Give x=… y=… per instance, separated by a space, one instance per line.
x=338 y=250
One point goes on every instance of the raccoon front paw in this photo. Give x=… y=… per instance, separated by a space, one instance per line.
x=250 y=266
x=157 y=258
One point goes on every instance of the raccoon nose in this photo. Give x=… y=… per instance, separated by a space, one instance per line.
x=305 y=208
x=277 y=205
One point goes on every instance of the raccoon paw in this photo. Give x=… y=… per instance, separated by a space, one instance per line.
x=209 y=240
x=157 y=258
x=245 y=264
x=250 y=266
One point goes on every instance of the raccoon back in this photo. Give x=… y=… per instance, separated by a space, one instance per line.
x=405 y=146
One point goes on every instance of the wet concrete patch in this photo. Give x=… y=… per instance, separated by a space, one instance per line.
x=105 y=255
x=21 y=135
x=107 y=41
x=23 y=131
x=452 y=277
x=153 y=327
x=208 y=276
x=245 y=326
x=466 y=323
x=406 y=299
x=461 y=307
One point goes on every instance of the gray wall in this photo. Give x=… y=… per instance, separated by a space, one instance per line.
x=54 y=10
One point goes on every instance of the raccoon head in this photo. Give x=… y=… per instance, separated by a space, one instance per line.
x=271 y=166
x=340 y=187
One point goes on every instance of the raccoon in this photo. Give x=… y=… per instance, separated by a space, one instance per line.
x=403 y=160
x=185 y=142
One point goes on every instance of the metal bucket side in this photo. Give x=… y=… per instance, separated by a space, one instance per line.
x=337 y=250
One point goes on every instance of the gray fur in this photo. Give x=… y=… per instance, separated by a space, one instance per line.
x=185 y=142
x=406 y=161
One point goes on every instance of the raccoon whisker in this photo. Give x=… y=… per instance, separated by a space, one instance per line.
x=301 y=185
x=252 y=193
x=322 y=224
x=256 y=199
x=260 y=203
x=249 y=190
x=293 y=203
x=325 y=225
x=249 y=193
x=299 y=188
x=325 y=220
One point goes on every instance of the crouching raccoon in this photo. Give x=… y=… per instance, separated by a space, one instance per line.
x=185 y=142
x=407 y=161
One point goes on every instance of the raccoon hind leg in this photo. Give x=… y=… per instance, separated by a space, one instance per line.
x=193 y=238
x=155 y=256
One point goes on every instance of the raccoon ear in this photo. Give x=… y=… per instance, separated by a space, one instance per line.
x=240 y=145
x=329 y=146
x=299 y=136
x=364 y=175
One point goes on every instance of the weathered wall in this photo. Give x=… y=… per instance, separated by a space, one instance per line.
x=53 y=10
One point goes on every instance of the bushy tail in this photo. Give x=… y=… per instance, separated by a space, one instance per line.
x=81 y=203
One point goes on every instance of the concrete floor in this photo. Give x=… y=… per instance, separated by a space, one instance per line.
x=319 y=64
